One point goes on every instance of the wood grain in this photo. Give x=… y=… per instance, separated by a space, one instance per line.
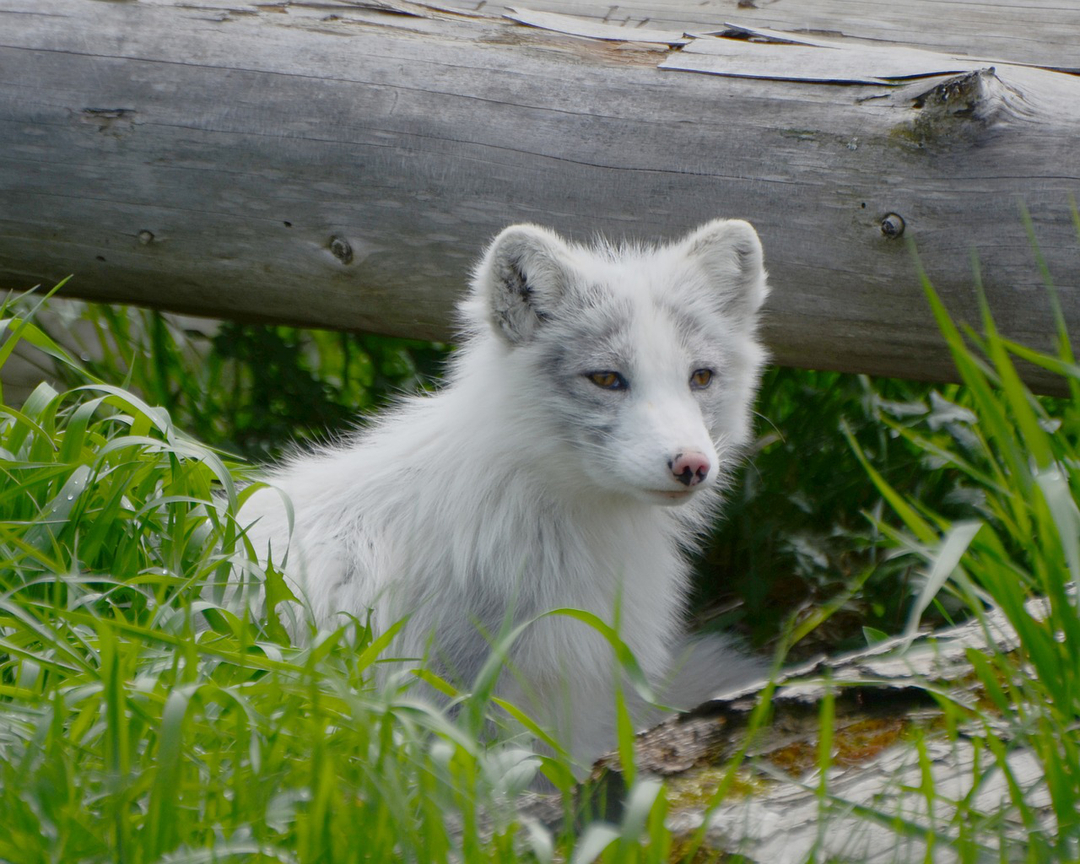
x=335 y=165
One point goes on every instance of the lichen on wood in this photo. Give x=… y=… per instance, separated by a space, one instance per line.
x=898 y=713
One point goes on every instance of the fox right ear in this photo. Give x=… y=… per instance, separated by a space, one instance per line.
x=730 y=253
x=522 y=279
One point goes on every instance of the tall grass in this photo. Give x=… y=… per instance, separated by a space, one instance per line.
x=146 y=716
x=129 y=734
x=1019 y=458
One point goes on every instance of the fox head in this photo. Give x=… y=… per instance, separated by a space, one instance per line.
x=642 y=360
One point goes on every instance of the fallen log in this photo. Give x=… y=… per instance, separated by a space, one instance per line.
x=340 y=163
x=908 y=729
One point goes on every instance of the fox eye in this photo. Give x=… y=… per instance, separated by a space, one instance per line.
x=701 y=378
x=608 y=380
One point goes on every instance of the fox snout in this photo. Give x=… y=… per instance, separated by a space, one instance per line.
x=690 y=467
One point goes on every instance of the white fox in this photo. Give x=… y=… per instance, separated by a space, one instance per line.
x=596 y=407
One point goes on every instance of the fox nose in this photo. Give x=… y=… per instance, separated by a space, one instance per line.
x=690 y=468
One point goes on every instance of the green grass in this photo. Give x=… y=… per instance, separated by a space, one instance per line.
x=144 y=716
x=128 y=732
x=1020 y=457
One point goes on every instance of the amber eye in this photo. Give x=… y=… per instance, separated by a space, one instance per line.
x=608 y=380
x=701 y=378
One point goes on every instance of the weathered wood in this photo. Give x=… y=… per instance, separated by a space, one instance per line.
x=335 y=163
x=779 y=810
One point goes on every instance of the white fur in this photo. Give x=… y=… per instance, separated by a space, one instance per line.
x=522 y=486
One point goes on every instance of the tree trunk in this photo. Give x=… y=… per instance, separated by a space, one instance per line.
x=342 y=163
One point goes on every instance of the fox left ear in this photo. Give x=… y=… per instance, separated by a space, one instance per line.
x=730 y=253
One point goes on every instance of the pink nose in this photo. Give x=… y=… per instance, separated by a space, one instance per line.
x=690 y=468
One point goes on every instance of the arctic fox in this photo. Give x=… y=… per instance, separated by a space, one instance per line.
x=591 y=417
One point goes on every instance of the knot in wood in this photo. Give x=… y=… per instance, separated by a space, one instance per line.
x=340 y=249
x=892 y=225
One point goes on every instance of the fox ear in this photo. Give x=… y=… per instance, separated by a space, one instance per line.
x=522 y=279
x=729 y=252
